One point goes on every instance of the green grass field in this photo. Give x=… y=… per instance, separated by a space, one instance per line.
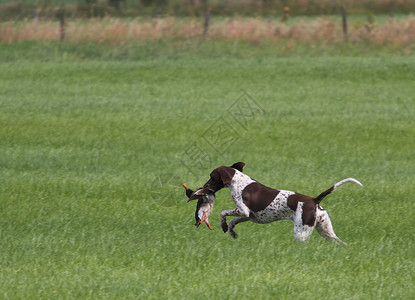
x=93 y=153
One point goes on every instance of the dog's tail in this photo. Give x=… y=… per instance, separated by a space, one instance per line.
x=320 y=197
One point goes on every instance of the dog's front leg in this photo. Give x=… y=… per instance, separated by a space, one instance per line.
x=232 y=224
x=224 y=214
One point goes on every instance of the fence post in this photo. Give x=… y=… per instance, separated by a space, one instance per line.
x=61 y=16
x=206 y=23
x=344 y=20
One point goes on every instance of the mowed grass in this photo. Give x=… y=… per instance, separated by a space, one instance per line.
x=93 y=153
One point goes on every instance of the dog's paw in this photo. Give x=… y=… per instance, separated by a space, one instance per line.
x=233 y=234
x=224 y=226
x=339 y=242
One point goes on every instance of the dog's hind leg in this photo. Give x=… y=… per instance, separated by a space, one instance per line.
x=232 y=224
x=301 y=231
x=324 y=227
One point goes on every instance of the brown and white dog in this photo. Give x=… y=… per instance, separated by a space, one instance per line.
x=261 y=204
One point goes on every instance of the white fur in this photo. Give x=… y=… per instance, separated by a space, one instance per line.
x=340 y=183
x=277 y=210
x=324 y=227
x=238 y=183
x=301 y=231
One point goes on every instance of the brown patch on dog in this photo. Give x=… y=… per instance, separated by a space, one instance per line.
x=239 y=166
x=320 y=197
x=220 y=177
x=309 y=207
x=257 y=196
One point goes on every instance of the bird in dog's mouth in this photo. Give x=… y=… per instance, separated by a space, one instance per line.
x=205 y=201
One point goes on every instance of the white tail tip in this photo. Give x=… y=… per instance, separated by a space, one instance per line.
x=340 y=183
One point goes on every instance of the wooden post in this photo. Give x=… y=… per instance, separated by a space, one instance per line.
x=62 y=24
x=206 y=23
x=344 y=20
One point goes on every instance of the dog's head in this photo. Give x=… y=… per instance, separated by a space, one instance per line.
x=221 y=176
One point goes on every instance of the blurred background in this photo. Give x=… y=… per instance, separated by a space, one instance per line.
x=184 y=8
x=371 y=24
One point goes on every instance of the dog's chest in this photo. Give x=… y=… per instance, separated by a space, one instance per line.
x=277 y=210
x=239 y=182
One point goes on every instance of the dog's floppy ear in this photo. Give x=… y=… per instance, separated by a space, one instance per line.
x=239 y=166
x=226 y=174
